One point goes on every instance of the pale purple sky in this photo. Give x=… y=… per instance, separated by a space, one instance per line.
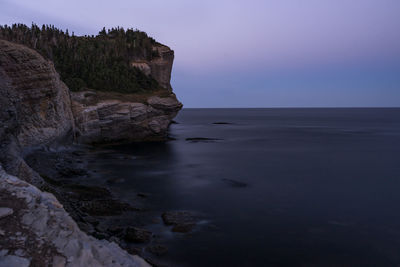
x=254 y=53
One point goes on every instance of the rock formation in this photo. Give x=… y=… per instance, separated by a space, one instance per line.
x=35 y=107
x=35 y=94
x=113 y=117
x=40 y=233
x=36 y=110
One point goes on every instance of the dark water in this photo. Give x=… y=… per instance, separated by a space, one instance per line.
x=283 y=187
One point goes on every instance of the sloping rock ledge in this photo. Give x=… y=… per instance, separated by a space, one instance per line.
x=47 y=235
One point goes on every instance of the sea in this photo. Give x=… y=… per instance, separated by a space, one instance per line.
x=273 y=187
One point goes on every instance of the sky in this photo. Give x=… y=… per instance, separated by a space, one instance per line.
x=253 y=53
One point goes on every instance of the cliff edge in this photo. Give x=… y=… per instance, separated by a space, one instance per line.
x=37 y=109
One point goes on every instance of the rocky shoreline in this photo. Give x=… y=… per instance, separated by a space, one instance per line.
x=96 y=209
x=38 y=113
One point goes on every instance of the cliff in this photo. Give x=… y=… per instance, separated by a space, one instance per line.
x=110 y=117
x=34 y=92
x=35 y=106
x=36 y=109
x=117 y=60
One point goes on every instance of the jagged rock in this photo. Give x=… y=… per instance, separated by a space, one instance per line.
x=45 y=218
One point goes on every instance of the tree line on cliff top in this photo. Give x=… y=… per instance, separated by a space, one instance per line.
x=100 y=62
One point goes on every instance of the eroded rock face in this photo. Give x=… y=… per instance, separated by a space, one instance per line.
x=159 y=68
x=35 y=107
x=33 y=95
x=109 y=120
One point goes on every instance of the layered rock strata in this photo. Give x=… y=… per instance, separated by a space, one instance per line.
x=36 y=110
x=120 y=119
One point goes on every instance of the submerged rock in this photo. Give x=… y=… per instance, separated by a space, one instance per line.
x=158 y=249
x=137 y=235
x=182 y=221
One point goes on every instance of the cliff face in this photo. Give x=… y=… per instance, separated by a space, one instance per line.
x=111 y=117
x=45 y=111
x=36 y=109
x=159 y=68
x=108 y=117
x=33 y=95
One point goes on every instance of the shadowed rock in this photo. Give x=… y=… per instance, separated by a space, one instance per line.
x=158 y=249
x=182 y=221
x=137 y=235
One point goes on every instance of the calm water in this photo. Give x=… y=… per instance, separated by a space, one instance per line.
x=282 y=187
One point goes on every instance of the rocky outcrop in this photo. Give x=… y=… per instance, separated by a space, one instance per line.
x=36 y=110
x=111 y=118
x=36 y=231
x=159 y=68
x=35 y=107
x=33 y=95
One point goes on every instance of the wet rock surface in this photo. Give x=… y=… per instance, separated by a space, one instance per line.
x=181 y=221
x=89 y=204
x=137 y=235
x=158 y=249
x=100 y=213
x=94 y=207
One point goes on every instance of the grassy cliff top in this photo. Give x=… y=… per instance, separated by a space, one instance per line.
x=100 y=62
